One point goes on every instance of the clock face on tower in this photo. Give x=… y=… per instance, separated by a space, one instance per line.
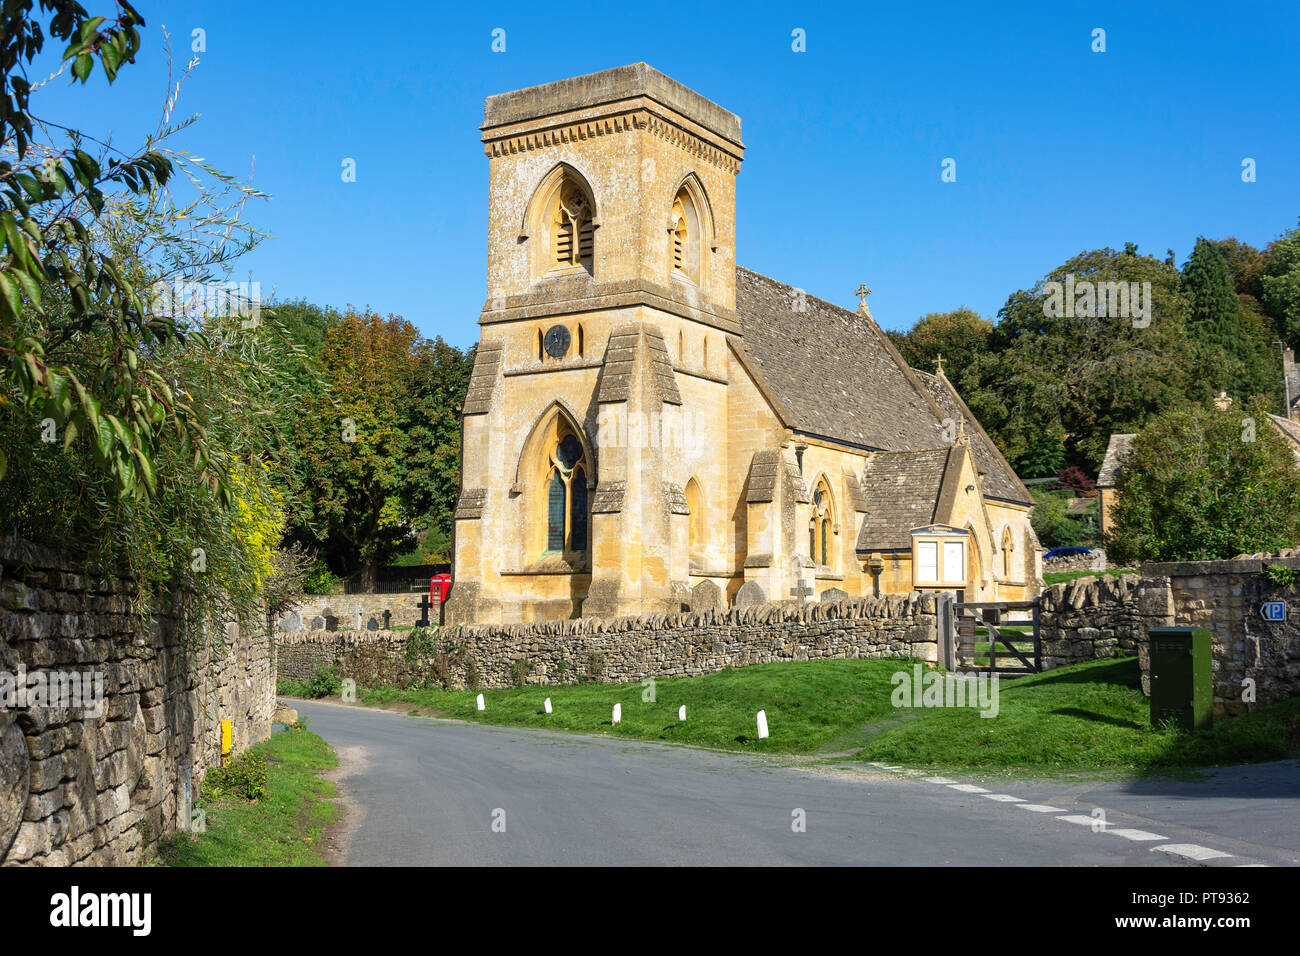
x=557 y=341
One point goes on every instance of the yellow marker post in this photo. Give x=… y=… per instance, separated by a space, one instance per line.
x=227 y=740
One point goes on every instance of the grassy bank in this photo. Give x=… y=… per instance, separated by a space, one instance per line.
x=809 y=707
x=1086 y=717
x=1089 y=716
x=282 y=827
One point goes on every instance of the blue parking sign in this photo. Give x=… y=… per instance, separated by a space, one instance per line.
x=1273 y=610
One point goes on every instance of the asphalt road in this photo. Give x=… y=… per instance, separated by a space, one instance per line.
x=442 y=793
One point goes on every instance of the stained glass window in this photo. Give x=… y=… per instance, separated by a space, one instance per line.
x=578 y=513
x=555 y=514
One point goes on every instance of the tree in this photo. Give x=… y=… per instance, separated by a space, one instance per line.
x=1050 y=377
x=49 y=192
x=960 y=336
x=433 y=466
x=1245 y=264
x=166 y=454
x=1239 y=356
x=1281 y=282
x=380 y=449
x=1212 y=301
x=1052 y=522
x=1202 y=484
x=354 y=441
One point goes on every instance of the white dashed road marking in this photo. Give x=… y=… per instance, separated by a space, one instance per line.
x=1083 y=821
x=1136 y=835
x=1192 y=851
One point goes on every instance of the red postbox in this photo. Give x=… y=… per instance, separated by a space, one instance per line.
x=439 y=585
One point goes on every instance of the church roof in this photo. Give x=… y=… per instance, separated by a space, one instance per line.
x=1117 y=450
x=902 y=492
x=830 y=370
x=1000 y=479
x=835 y=375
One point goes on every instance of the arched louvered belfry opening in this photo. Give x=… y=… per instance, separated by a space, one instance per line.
x=560 y=224
x=690 y=232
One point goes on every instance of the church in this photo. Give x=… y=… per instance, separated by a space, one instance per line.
x=650 y=427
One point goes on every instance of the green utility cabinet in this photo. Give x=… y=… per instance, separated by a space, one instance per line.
x=1181 y=686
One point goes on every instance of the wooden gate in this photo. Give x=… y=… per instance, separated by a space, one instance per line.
x=988 y=630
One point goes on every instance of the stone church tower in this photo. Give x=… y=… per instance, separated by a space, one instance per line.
x=622 y=440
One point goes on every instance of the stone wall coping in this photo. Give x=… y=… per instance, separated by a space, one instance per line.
x=890 y=607
x=348 y=636
x=1183 y=569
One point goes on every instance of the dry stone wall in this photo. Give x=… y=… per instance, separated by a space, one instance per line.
x=1226 y=597
x=1095 y=618
x=78 y=786
x=624 y=649
x=338 y=612
x=1099 y=617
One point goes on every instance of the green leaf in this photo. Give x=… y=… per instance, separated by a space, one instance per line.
x=87 y=163
x=103 y=437
x=90 y=26
x=82 y=66
x=31 y=184
x=146 y=469
x=9 y=296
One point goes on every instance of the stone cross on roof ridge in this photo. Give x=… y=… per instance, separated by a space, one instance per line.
x=862 y=293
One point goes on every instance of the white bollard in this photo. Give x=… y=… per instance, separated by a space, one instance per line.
x=618 y=713
x=681 y=712
x=762 y=724
x=547 y=705
x=481 y=705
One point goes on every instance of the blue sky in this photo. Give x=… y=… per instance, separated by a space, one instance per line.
x=1058 y=149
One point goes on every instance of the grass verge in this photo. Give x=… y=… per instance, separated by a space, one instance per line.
x=1085 y=717
x=282 y=828
x=1090 y=716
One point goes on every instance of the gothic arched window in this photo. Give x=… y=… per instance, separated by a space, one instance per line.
x=695 y=522
x=566 y=497
x=1008 y=546
x=821 y=525
x=572 y=230
x=684 y=235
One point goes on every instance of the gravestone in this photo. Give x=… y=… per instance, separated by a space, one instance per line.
x=750 y=593
x=388 y=620
x=706 y=596
x=318 y=623
x=291 y=622
x=425 y=607
x=372 y=624
x=833 y=594
x=331 y=622
x=356 y=619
